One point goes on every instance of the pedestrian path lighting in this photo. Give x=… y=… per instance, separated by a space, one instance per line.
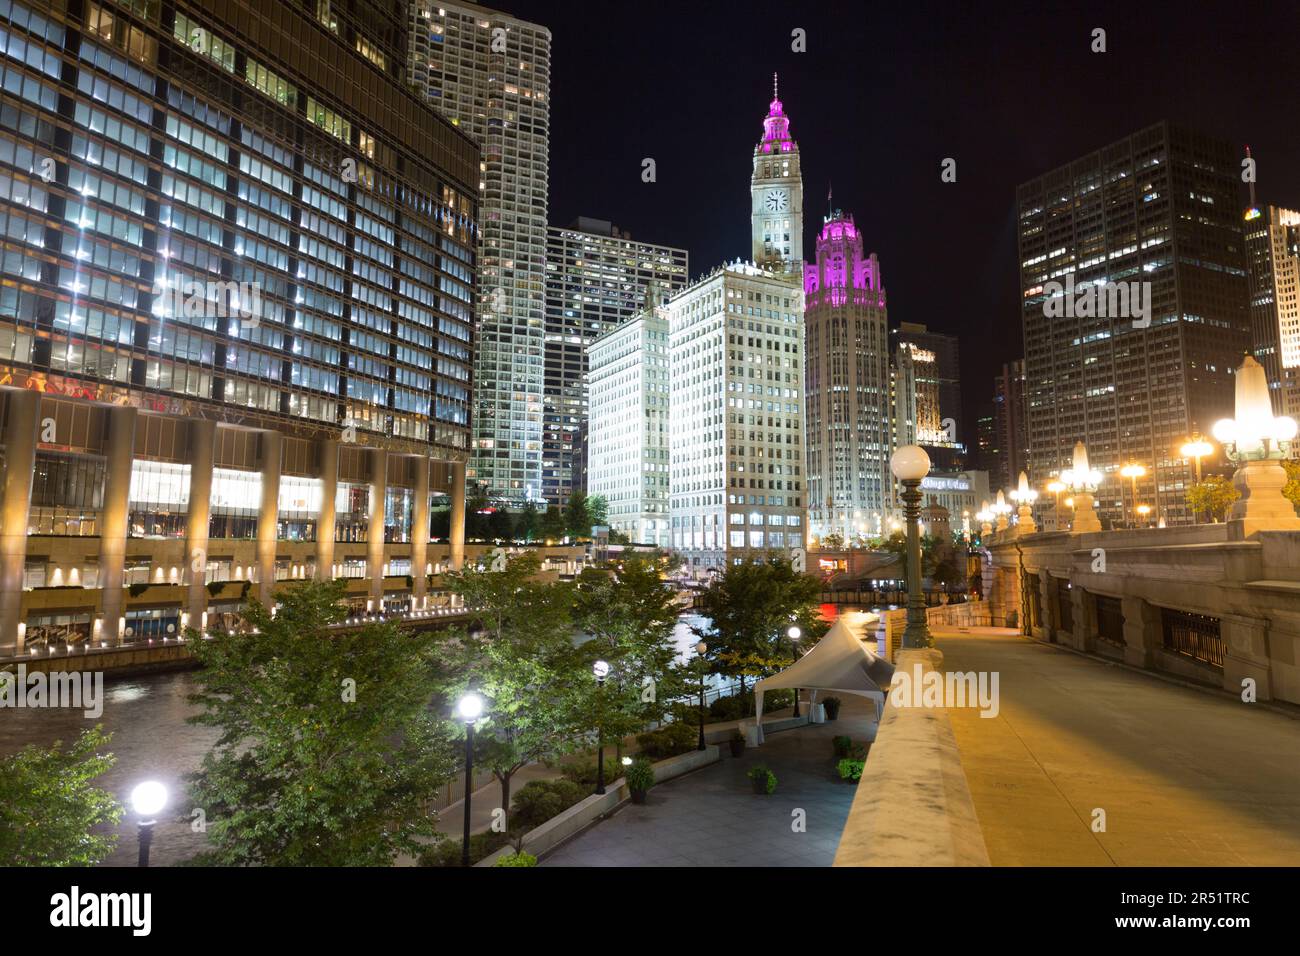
x=1196 y=448
x=1002 y=509
x=601 y=670
x=794 y=634
x=147 y=800
x=1055 y=488
x=1024 y=496
x=910 y=464
x=1143 y=511
x=700 y=650
x=1256 y=440
x=1133 y=471
x=1083 y=481
x=468 y=709
x=985 y=517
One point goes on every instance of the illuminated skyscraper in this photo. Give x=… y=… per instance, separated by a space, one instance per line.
x=490 y=74
x=234 y=319
x=1273 y=249
x=1158 y=213
x=846 y=386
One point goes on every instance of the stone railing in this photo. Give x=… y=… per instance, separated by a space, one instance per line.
x=967 y=614
x=913 y=806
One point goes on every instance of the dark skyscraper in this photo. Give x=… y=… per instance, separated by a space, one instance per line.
x=1132 y=367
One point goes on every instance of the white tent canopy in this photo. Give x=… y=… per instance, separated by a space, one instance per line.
x=838 y=662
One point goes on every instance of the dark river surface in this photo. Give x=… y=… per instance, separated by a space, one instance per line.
x=152 y=741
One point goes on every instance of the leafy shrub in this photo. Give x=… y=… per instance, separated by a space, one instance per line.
x=850 y=769
x=832 y=705
x=775 y=700
x=760 y=772
x=668 y=741
x=539 y=800
x=584 y=772
x=639 y=775
x=446 y=852
x=843 y=745
x=684 y=713
x=727 y=708
x=517 y=859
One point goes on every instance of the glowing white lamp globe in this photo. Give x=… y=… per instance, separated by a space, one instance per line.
x=910 y=463
x=469 y=707
x=600 y=669
x=148 y=798
x=794 y=633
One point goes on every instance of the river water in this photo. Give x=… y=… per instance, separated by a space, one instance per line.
x=152 y=741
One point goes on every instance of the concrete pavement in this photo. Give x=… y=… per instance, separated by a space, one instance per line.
x=1184 y=777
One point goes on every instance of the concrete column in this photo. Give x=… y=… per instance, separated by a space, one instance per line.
x=113 y=520
x=21 y=432
x=420 y=530
x=325 y=524
x=268 y=514
x=1142 y=635
x=375 y=539
x=1246 y=654
x=456 y=537
x=1046 y=630
x=1085 y=619
x=202 y=445
x=1085 y=516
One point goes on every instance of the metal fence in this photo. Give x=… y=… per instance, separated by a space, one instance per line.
x=1192 y=635
x=1110 y=619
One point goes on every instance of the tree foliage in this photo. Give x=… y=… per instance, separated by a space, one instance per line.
x=330 y=753
x=49 y=807
x=1212 y=497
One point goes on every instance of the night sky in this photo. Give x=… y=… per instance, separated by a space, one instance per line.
x=882 y=95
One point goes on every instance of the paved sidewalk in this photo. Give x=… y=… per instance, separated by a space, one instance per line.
x=1185 y=778
x=712 y=817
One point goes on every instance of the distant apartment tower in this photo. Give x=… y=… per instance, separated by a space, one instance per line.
x=628 y=425
x=490 y=74
x=1273 y=250
x=1009 y=425
x=597 y=278
x=234 y=318
x=946 y=373
x=736 y=466
x=846 y=386
x=1161 y=207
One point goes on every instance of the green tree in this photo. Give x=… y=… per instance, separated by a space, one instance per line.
x=476 y=522
x=523 y=662
x=501 y=527
x=49 y=806
x=577 y=521
x=329 y=753
x=597 y=511
x=552 y=523
x=833 y=541
x=629 y=614
x=1291 y=491
x=750 y=608
x=528 y=523
x=1212 y=497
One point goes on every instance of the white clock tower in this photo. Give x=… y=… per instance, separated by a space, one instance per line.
x=776 y=195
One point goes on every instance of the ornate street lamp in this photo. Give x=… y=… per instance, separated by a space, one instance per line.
x=701 y=649
x=910 y=464
x=1256 y=441
x=1055 y=488
x=147 y=800
x=1143 y=511
x=1083 y=481
x=985 y=517
x=794 y=634
x=1024 y=496
x=601 y=670
x=1133 y=471
x=1196 y=448
x=468 y=709
x=1002 y=509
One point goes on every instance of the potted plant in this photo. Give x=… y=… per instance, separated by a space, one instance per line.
x=850 y=770
x=832 y=705
x=640 y=777
x=762 y=779
x=736 y=743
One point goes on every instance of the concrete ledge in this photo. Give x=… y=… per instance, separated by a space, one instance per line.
x=913 y=806
x=582 y=814
x=132 y=658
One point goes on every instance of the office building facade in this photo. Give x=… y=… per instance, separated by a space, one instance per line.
x=597 y=278
x=490 y=74
x=1135 y=308
x=1273 y=251
x=234 y=327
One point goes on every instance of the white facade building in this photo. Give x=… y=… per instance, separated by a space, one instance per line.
x=490 y=74
x=627 y=454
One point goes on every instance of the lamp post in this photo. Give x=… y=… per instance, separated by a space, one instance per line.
x=985 y=517
x=1196 y=448
x=468 y=709
x=601 y=670
x=1256 y=441
x=1143 y=511
x=1133 y=471
x=1024 y=496
x=1002 y=509
x=910 y=464
x=794 y=634
x=147 y=799
x=701 y=649
x=1083 y=481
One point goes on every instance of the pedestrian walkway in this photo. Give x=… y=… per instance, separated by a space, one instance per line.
x=1184 y=777
x=712 y=817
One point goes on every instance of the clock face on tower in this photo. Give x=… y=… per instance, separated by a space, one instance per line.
x=777 y=200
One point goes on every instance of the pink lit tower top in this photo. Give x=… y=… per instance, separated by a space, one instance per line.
x=847 y=390
x=776 y=195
